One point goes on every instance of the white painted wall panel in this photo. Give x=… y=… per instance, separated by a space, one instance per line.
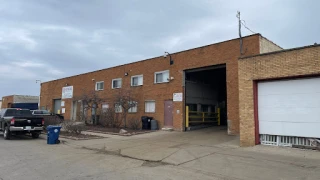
x=290 y=108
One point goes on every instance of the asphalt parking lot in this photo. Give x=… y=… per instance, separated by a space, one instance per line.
x=203 y=154
x=30 y=159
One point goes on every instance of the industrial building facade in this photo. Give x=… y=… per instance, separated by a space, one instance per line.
x=20 y=101
x=280 y=98
x=203 y=78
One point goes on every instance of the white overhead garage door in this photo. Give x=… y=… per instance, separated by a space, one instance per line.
x=289 y=107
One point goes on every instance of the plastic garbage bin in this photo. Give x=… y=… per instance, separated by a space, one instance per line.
x=154 y=124
x=53 y=134
x=146 y=122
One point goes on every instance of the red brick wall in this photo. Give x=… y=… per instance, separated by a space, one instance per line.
x=221 y=53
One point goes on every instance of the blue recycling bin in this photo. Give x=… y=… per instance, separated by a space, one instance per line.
x=53 y=134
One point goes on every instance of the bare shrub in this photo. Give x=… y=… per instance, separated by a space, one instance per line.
x=117 y=123
x=125 y=99
x=134 y=123
x=51 y=120
x=73 y=127
x=109 y=118
x=90 y=100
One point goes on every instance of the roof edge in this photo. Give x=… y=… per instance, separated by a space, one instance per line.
x=281 y=51
x=150 y=58
x=272 y=42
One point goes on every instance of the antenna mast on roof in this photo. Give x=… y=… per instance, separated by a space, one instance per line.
x=240 y=37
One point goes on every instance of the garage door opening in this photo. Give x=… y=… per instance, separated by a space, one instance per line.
x=289 y=112
x=206 y=97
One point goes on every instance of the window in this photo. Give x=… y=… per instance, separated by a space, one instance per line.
x=137 y=80
x=116 y=83
x=117 y=108
x=105 y=105
x=18 y=112
x=161 y=77
x=99 y=86
x=134 y=107
x=93 y=109
x=150 y=106
x=37 y=112
x=45 y=112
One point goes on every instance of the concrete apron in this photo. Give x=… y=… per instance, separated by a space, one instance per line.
x=163 y=146
x=211 y=152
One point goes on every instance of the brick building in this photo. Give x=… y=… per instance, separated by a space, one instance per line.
x=203 y=78
x=279 y=97
x=20 y=101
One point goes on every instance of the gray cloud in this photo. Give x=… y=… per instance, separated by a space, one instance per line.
x=57 y=38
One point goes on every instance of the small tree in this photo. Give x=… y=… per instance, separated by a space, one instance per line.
x=125 y=100
x=90 y=100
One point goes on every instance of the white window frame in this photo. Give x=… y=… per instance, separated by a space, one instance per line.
x=137 y=76
x=145 y=106
x=117 y=108
x=97 y=85
x=118 y=79
x=161 y=72
x=133 y=109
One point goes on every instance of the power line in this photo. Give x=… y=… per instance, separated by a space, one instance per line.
x=244 y=24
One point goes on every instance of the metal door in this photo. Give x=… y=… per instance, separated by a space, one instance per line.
x=74 y=110
x=168 y=113
x=57 y=106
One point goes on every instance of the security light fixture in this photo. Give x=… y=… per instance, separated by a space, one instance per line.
x=168 y=54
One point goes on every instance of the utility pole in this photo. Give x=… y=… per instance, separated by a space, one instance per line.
x=39 y=81
x=240 y=36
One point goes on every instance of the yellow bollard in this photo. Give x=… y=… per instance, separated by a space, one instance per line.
x=187 y=116
x=202 y=116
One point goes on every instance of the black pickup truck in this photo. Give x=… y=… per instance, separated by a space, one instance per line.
x=20 y=121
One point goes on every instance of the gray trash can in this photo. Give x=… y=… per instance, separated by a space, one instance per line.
x=154 y=124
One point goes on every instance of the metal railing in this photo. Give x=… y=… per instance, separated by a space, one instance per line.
x=194 y=117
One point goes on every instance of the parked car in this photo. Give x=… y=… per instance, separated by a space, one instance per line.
x=40 y=113
x=20 y=121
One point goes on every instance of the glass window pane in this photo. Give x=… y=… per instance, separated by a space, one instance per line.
x=159 y=77
x=149 y=106
x=165 y=76
x=140 y=80
x=135 y=81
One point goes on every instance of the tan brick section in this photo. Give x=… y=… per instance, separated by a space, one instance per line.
x=6 y=100
x=221 y=53
x=303 y=61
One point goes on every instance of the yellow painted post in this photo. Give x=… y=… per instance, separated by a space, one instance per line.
x=202 y=116
x=187 y=116
x=218 y=111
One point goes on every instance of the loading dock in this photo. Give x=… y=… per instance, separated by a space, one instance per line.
x=206 y=97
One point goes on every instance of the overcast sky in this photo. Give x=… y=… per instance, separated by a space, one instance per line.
x=51 y=39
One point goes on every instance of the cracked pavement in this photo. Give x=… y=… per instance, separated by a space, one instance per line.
x=204 y=154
